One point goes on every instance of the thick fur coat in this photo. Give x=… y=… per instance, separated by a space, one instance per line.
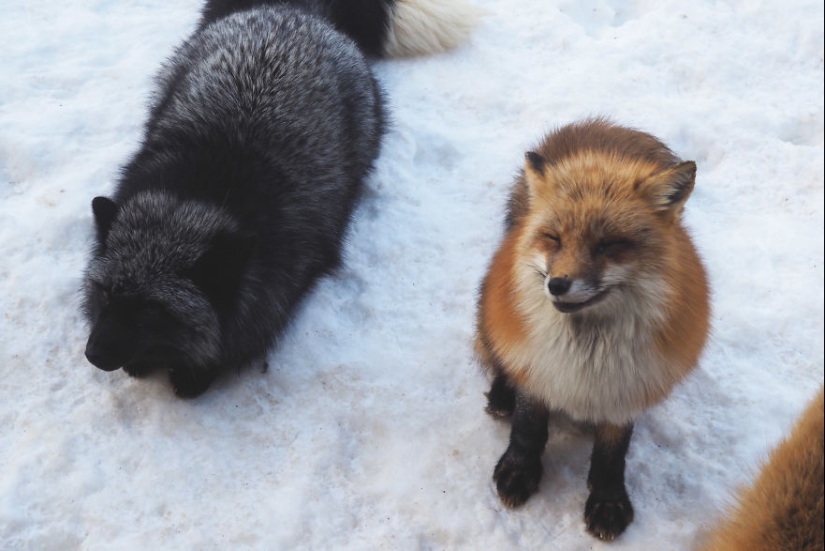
x=596 y=303
x=265 y=123
x=785 y=507
x=598 y=206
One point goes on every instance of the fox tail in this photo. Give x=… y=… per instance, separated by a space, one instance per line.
x=381 y=28
x=423 y=27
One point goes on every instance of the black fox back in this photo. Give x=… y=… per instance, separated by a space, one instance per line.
x=364 y=21
x=264 y=127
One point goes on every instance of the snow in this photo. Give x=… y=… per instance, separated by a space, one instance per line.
x=368 y=430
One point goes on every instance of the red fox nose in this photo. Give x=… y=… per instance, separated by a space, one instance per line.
x=558 y=286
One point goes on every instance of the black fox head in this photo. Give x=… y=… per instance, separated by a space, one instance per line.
x=129 y=329
x=166 y=272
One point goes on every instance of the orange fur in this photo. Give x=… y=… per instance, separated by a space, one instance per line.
x=688 y=319
x=597 y=203
x=501 y=324
x=784 y=510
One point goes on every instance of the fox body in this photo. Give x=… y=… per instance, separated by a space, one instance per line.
x=785 y=507
x=264 y=125
x=596 y=302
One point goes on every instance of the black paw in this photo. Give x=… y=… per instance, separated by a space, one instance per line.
x=608 y=514
x=517 y=478
x=501 y=400
x=138 y=369
x=189 y=383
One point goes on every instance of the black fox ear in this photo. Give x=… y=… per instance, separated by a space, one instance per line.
x=218 y=271
x=534 y=171
x=670 y=188
x=105 y=211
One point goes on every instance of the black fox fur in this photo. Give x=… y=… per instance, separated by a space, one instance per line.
x=365 y=21
x=264 y=125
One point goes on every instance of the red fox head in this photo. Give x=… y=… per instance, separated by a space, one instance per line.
x=601 y=224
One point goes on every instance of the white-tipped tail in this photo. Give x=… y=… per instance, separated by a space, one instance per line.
x=420 y=27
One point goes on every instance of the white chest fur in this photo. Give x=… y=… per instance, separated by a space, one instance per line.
x=597 y=365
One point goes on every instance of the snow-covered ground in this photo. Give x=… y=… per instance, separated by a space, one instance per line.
x=368 y=431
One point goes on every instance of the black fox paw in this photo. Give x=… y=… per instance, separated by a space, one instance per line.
x=137 y=369
x=517 y=478
x=607 y=515
x=189 y=384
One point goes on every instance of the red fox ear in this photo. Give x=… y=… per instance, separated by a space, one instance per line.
x=670 y=188
x=534 y=171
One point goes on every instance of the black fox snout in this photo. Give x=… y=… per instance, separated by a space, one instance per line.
x=110 y=345
x=99 y=359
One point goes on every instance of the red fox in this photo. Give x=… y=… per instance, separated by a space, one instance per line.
x=785 y=508
x=596 y=303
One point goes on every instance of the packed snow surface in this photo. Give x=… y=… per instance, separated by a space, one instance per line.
x=368 y=430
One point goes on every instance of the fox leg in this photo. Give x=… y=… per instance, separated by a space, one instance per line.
x=608 y=510
x=501 y=400
x=519 y=470
x=190 y=382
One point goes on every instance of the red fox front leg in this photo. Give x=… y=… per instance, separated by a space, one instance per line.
x=501 y=400
x=519 y=470
x=608 y=510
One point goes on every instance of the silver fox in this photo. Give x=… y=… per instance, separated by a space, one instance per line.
x=263 y=127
